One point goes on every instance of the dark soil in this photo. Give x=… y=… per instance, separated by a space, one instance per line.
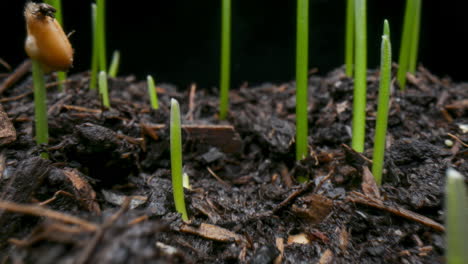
x=111 y=170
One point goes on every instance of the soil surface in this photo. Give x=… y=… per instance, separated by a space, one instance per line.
x=105 y=194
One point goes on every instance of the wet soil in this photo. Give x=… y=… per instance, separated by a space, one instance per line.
x=105 y=193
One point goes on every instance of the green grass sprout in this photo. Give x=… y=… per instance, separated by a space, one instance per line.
x=225 y=58
x=115 y=63
x=302 y=58
x=456 y=218
x=101 y=29
x=103 y=89
x=409 y=41
x=153 y=94
x=360 y=82
x=382 y=111
x=40 y=105
x=57 y=4
x=349 y=45
x=176 y=160
x=95 y=51
x=413 y=57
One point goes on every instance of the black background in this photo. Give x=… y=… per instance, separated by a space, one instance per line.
x=178 y=41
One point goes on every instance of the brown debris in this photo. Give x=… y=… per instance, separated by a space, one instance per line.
x=222 y=136
x=214 y=233
x=7 y=130
x=19 y=72
x=44 y=212
x=327 y=257
x=356 y=197
x=369 y=186
x=83 y=190
x=314 y=207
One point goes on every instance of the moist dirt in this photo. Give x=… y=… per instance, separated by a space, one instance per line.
x=110 y=170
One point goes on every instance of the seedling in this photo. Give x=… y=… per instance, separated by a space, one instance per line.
x=98 y=60
x=49 y=49
x=359 y=98
x=225 y=58
x=456 y=207
x=409 y=41
x=101 y=29
x=115 y=63
x=103 y=89
x=153 y=95
x=95 y=51
x=349 y=46
x=302 y=56
x=57 y=4
x=382 y=111
x=176 y=160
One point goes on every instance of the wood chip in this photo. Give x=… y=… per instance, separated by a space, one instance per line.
x=83 y=190
x=214 y=233
x=327 y=257
x=7 y=130
x=298 y=239
x=369 y=186
x=224 y=137
x=280 y=246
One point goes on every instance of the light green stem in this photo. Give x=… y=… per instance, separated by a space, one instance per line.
x=456 y=207
x=95 y=51
x=360 y=81
x=349 y=49
x=115 y=63
x=383 y=104
x=153 y=95
x=176 y=160
x=225 y=58
x=101 y=28
x=103 y=89
x=413 y=55
x=302 y=58
x=405 y=47
x=40 y=105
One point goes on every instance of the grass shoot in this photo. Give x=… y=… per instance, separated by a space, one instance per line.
x=103 y=89
x=349 y=46
x=101 y=33
x=225 y=58
x=40 y=105
x=57 y=4
x=383 y=99
x=176 y=160
x=456 y=218
x=153 y=95
x=409 y=41
x=95 y=49
x=360 y=79
x=115 y=63
x=302 y=57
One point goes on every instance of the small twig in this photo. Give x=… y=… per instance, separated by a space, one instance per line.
x=89 y=249
x=19 y=72
x=356 y=197
x=44 y=212
x=217 y=177
x=56 y=194
x=292 y=197
x=82 y=109
x=5 y=64
x=14 y=98
x=457 y=139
